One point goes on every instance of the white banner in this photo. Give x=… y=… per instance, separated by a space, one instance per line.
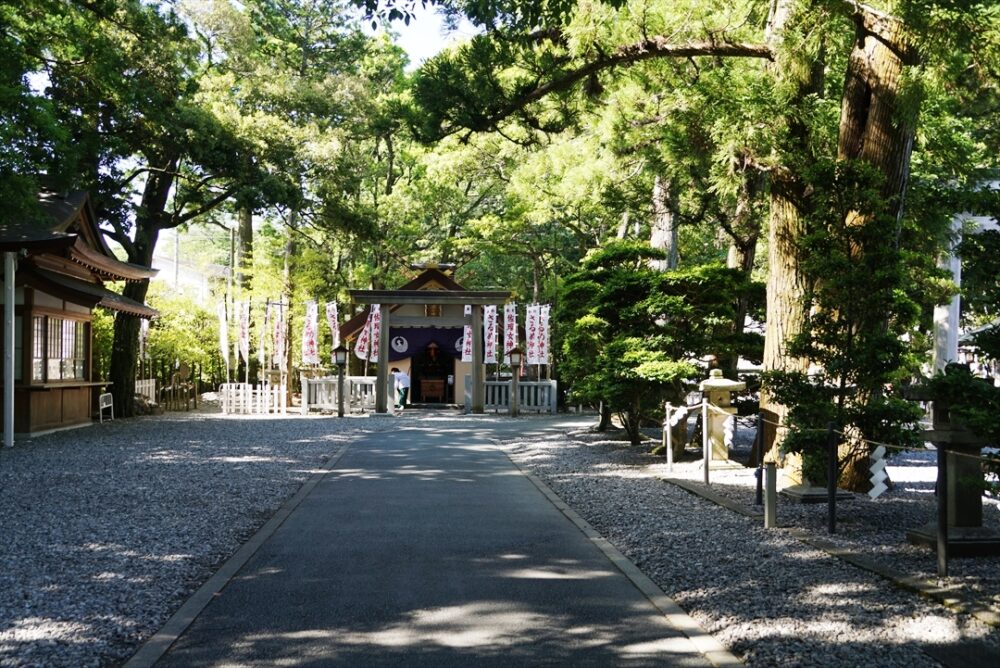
x=280 y=349
x=243 y=309
x=467 y=338
x=490 y=334
x=509 y=330
x=544 y=332
x=332 y=320
x=361 y=345
x=224 y=335
x=531 y=334
x=310 y=346
x=264 y=329
x=376 y=321
x=143 y=337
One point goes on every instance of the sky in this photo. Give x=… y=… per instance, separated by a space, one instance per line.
x=426 y=35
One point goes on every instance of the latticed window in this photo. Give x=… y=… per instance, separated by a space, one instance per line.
x=38 y=348
x=66 y=344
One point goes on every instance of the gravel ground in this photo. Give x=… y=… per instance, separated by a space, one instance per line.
x=105 y=531
x=773 y=600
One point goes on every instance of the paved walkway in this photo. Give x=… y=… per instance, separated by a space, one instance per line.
x=427 y=547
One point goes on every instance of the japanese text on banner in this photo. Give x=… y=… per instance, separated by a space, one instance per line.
x=467 y=338
x=509 y=330
x=310 y=347
x=375 y=335
x=361 y=345
x=332 y=320
x=490 y=334
x=531 y=333
x=543 y=334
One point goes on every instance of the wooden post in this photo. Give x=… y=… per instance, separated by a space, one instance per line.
x=770 y=495
x=382 y=375
x=478 y=382
x=9 y=267
x=831 y=478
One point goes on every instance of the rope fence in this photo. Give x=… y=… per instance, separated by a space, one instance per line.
x=940 y=439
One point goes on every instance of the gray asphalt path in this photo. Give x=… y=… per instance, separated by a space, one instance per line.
x=425 y=546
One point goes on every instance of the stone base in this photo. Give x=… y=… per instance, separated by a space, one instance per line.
x=962 y=541
x=724 y=465
x=812 y=494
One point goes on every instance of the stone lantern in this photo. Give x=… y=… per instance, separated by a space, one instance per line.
x=718 y=391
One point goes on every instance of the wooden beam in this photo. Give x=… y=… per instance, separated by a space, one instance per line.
x=444 y=297
x=424 y=321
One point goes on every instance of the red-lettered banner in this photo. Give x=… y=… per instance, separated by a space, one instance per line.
x=467 y=337
x=544 y=334
x=531 y=334
x=376 y=321
x=310 y=344
x=361 y=345
x=332 y=319
x=490 y=334
x=509 y=330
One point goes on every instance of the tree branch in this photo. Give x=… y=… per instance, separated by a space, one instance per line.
x=647 y=49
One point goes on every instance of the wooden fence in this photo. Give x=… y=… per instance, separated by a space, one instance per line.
x=321 y=394
x=538 y=396
x=250 y=399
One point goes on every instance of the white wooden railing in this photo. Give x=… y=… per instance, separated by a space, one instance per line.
x=249 y=399
x=538 y=396
x=147 y=389
x=321 y=393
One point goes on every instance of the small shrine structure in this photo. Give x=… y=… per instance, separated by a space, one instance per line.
x=421 y=332
x=54 y=273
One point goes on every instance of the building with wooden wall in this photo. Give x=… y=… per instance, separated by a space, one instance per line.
x=62 y=265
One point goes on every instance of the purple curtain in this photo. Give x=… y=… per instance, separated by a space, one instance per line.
x=413 y=341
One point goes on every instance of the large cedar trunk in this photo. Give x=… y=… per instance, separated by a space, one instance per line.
x=244 y=250
x=874 y=129
x=125 y=348
x=786 y=290
x=663 y=228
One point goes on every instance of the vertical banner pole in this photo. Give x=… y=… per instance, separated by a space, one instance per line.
x=9 y=266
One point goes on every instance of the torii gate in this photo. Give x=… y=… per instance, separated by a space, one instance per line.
x=388 y=298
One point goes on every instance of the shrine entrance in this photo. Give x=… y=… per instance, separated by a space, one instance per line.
x=421 y=330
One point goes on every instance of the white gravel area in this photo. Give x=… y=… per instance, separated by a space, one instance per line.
x=772 y=599
x=106 y=530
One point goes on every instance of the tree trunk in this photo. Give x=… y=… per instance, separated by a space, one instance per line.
x=605 y=420
x=125 y=348
x=663 y=230
x=244 y=251
x=786 y=284
x=874 y=129
x=288 y=289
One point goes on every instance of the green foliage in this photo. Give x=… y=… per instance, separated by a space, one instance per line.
x=972 y=403
x=103 y=331
x=631 y=332
x=185 y=331
x=855 y=304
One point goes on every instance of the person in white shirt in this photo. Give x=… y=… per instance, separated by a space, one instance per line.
x=402 y=386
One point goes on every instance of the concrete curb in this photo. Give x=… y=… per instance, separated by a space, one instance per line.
x=155 y=647
x=703 y=642
x=950 y=597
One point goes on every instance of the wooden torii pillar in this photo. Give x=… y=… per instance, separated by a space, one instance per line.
x=389 y=298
